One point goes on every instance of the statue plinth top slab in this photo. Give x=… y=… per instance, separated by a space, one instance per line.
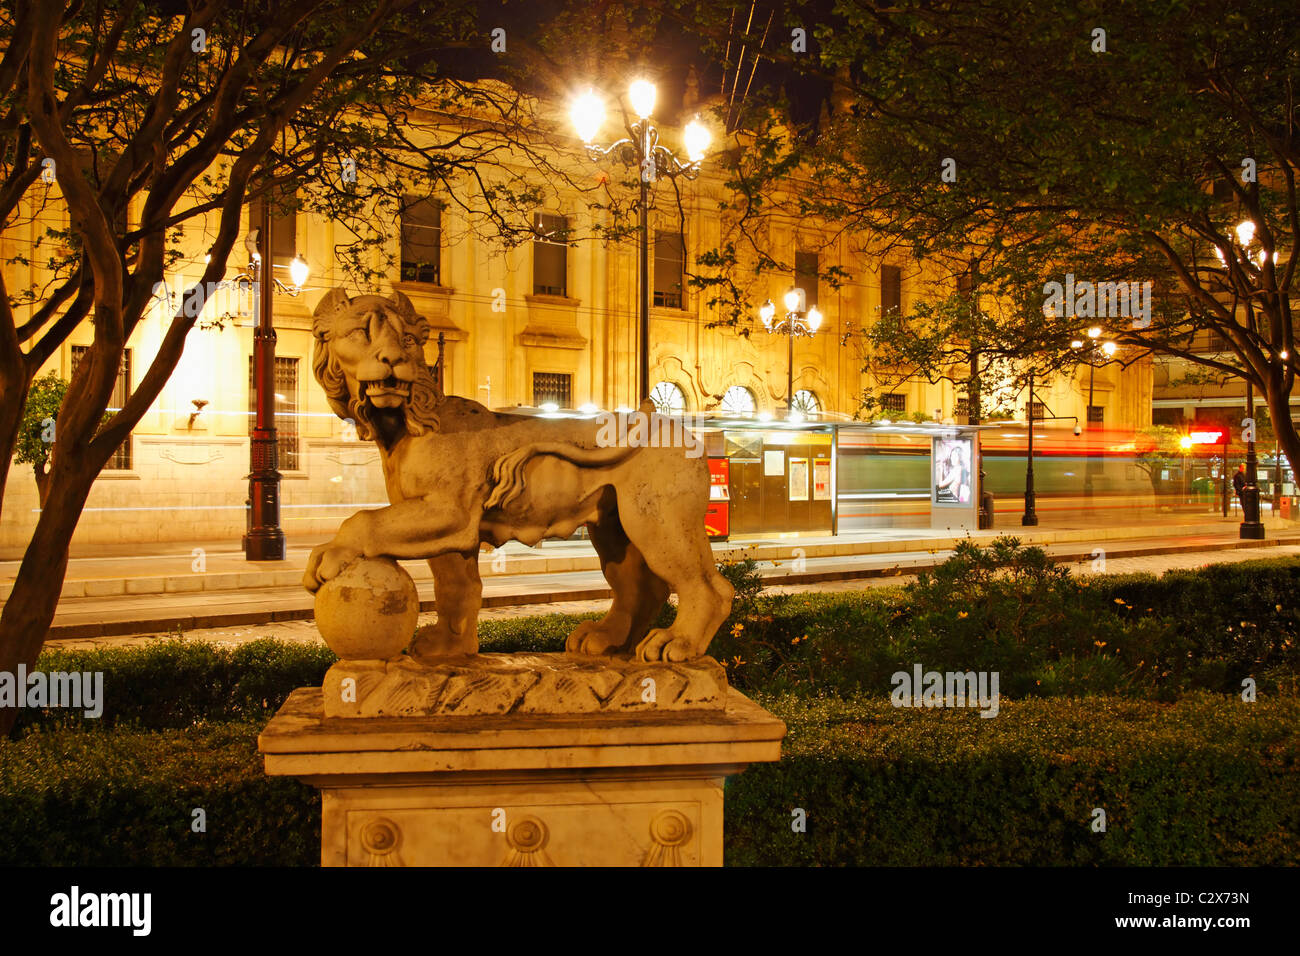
x=500 y=684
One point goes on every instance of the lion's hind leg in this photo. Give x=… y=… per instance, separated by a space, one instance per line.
x=683 y=558
x=638 y=593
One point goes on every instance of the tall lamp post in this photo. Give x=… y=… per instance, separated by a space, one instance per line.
x=1092 y=347
x=1185 y=443
x=796 y=322
x=264 y=538
x=641 y=148
x=1030 y=517
x=1251 y=527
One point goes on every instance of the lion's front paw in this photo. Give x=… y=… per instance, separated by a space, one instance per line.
x=592 y=639
x=326 y=562
x=661 y=644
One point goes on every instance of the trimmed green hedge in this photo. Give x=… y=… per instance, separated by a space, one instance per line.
x=1047 y=633
x=174 y=682
x=100 y=796
x=1205 y=781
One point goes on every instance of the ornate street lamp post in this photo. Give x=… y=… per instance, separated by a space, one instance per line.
x=1251 y=527
x=641 y=148
x=1030 y=517
x=264 y=538
x=795 y=322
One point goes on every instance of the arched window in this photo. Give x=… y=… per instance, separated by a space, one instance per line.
x=668 y=399
x=738 y=400
x=806 y=403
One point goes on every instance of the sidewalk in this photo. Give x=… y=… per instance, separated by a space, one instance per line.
x=519 y=583
x=198 y=567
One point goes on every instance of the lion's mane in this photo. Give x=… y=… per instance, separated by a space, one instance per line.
x=421 y=410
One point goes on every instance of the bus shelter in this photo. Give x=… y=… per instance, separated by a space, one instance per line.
x=818 y=475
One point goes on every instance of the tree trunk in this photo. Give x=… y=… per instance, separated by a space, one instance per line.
x=1284 y=429
x=11 y=417
x=25 y=620
x=42 y=472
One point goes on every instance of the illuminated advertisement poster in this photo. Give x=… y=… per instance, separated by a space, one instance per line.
x=717 y=521
x=798 y=479
x=952 y=471
x=821 y=479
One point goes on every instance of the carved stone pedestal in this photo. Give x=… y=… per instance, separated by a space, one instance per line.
x=607 y=786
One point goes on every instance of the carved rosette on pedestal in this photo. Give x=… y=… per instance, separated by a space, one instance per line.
x=527 y=838
x=379 y=839
x=668 y=831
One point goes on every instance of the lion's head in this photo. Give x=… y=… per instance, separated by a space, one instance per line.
x=369 y=358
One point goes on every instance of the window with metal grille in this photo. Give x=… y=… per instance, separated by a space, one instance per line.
x=421 y=240
x=286 y=409
x=121 y=459
x=669 y=399
x=550 y=255
x=738 y=400
x=805 y=276
x=670 y=267
x=555 y=388
x=1218 y=343
x=891 y=290
x=962 y=408
x=893 y=402
x=1097 y=414
x=284 y=227
x=1036 y=410
x=807 y=402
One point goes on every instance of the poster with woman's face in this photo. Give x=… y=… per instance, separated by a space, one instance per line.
x=952 y=471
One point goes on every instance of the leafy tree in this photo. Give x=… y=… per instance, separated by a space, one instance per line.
x=1046 y=140
x=128 y=124
x=36 y=433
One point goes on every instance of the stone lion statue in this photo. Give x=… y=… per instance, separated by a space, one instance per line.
x=459 y=475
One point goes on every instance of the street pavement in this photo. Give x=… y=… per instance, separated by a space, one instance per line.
x=284 y=613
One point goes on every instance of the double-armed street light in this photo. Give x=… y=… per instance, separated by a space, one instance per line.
x=641 y=148
x=795 y=322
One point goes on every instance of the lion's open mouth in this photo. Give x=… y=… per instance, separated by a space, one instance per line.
x=391 y=387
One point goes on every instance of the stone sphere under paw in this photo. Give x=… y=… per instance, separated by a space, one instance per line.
x=368 y=611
